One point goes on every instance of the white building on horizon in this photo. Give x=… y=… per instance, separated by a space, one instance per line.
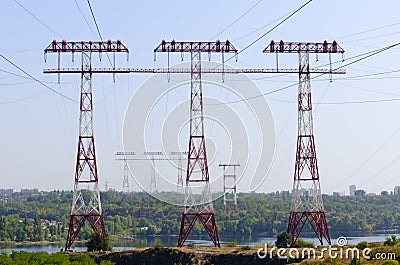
x=396 y=190
x=353 y=189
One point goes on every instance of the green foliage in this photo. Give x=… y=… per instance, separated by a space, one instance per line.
x=301 y=243
x=362 y=245
x=45 y=216
x=41 y=258
x=390 y=262
x=391 y=241
x=245 y=248
x=231 y=244
x=96 y=244
x=355 y=261
x=283 y=240
x=106 y=262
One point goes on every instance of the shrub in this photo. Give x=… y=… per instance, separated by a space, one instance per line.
x=282 y=240
x=231 y=244
x=301 y=243
x=362 y=245
x=390 y=262
x=245 y=248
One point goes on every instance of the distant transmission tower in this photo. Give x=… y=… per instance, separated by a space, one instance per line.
x=179 y=183
x=228 y=185
x=153 y=184
x=124 y=157
x=307 y=205
x=86 y=177
x=197 y=166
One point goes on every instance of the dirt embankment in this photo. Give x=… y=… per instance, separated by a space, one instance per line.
x=186 y=256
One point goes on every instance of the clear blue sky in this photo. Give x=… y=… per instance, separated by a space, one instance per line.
x=356 y=143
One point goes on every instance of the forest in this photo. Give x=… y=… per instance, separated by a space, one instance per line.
x=45 y=216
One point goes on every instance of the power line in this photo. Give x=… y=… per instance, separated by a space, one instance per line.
x=37 y=80
x=270 y=30
x=94 y=19
x=341 y=103
x=266 y=25
x=21 y=99
x=367 y=55
x=367 y=31
x=37 y=19
x=238 y=19
x=84 y=18
x=29 y=78
x=368 y=159
x=98 y=29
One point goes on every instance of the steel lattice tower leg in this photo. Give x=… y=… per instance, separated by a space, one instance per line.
x=197 y=164
x=179 y=184
x=125 y=182
x=307 y=205
x=86 y=177
x=153 y=185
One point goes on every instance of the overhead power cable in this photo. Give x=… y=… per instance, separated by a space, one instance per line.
x=37 y=80
x=367 y=55
x=237 y=20
x=270 y=30
x=38 y=20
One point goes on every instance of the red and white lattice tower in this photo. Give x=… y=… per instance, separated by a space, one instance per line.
x=86 y=204
x=197 y=166
x=307 y=205
x=230 y=186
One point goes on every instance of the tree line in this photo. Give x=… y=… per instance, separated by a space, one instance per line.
x=45 y=216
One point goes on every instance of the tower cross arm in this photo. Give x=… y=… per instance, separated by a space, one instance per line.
x=196 y=46
x=88 y=46
x=297 y=47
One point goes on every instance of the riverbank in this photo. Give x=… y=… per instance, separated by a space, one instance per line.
x=375 y=254
x=188 y=255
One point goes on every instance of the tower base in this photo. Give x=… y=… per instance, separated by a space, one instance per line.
x=317 y=221
x=206 y=219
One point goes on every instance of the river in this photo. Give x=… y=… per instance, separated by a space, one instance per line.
x=170 y=241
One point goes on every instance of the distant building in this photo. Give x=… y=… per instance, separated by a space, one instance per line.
x=353 y=189
x=6 y=191
x=360 y=193
x=396 y=190
x=371 y=194
x=338 y=194
x=30 y=191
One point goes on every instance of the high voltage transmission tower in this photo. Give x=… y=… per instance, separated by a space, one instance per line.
x=307 y=205
x=197 y=165
x=151 y=157
x=230 y=186
x=86 y=204
x=125 y=182
x=179 y=183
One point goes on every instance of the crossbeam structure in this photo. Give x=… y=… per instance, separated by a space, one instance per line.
x=188 y=70
x=307 y=205
x=86 y=203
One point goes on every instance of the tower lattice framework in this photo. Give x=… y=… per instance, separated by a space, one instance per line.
x=86 y=203
x=307 y=205
x=197 y=166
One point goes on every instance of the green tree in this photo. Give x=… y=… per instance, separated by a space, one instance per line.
x=282 y=240
x=96 y=244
